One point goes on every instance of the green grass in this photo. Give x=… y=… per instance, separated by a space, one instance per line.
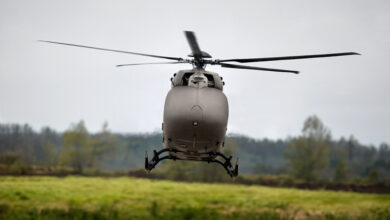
x=130 y=198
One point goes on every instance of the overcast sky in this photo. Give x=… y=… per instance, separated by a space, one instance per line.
x=44 y=84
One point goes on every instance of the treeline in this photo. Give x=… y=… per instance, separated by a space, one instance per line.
x=312 y=156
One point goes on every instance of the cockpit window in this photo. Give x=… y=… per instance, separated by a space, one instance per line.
x=210 y=80
x=186 y=78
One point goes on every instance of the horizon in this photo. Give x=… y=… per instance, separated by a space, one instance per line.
x=158 y=131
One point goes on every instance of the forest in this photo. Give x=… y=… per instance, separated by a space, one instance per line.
x=313 y=156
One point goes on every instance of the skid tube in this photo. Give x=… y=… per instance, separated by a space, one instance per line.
x=150 y=165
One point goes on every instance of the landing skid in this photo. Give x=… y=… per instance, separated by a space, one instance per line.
x=150 y=165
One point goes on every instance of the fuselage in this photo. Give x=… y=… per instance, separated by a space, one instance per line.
x=195 y=115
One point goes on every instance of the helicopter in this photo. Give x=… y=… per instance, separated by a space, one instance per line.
x=196 y=109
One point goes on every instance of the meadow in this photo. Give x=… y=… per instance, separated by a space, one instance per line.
x=76 y=197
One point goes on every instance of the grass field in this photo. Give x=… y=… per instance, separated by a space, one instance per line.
x=130 y=198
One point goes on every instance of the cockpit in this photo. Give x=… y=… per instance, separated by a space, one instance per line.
x=198 y=79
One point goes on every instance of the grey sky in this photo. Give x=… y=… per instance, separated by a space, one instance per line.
x=43 y=84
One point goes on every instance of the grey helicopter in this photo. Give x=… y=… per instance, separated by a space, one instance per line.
x=196 y=109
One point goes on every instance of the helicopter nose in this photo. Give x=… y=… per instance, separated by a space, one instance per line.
x=196 y=115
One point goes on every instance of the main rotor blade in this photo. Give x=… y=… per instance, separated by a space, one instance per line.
x=118 y=51
x=256 y=68
x=248 y=60
x=196 y=52
x=135 y=64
